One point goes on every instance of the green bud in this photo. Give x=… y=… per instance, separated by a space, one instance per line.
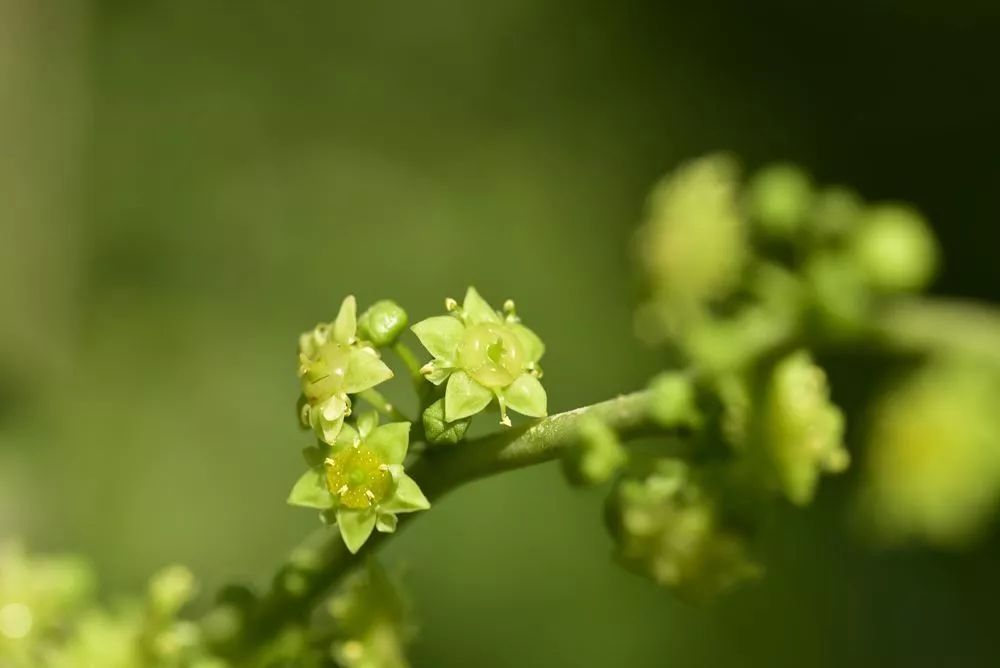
x=438 y=430
x=170 y=590
x=672 y=401
x=800 y=430
x=779 y=198
x=693 y=243
x=597 y=455
x=932 y=466
x=372 y=620
x=895 y=248
x=835 y=213
x=839 y=295
x=668 y=528
x=382 y=323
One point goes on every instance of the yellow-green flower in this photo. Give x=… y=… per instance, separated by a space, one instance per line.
x=361 y=480
x=334 y=364
x=483 y=355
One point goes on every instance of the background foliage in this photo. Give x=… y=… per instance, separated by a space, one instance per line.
x=188 y=185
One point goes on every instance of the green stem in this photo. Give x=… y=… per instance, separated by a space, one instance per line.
x=376 y=400
x=943 y=325
x=322 y=561
x=409 y=359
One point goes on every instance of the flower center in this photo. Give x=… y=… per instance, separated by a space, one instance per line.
x=358 y=477
x=324 y=374
x=492 y=355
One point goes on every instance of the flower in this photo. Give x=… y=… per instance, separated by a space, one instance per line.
x=668 y=528
x=483 y=354
x=801 y=430
x=333 y=364
x=361 y=480
x=597 y=456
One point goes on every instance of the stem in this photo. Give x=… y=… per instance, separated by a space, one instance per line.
x=322 y=561
x=949 y=325
x=409 y=359
x=376 y=400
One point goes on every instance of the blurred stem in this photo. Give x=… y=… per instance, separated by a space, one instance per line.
x=376 y=400
x=943 y=325
x=405 y=353
x=438 y=472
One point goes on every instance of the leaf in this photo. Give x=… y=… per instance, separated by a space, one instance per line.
x=478 y=310
x=364 y=370
x=464 y=397
x=533 y=346
x=310 y=491
x=407 y=498
x=527 y=396
x=441 y=336
x=346 y=324
x=386 y=522
x=355 y=526
x=390 y=441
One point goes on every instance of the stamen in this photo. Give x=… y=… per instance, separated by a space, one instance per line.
x=342 y=490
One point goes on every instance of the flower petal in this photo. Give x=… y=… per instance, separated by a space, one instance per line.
x=407 y=499
x=386 y=522
x=527 y=396
x=355 y=526
x=347 y=437
x=310 y=491
x=367 y=423
x=478 y=310
x=437 y=371
x=441 y=335
x=346 y=324
x=390 y=441
x=464 y=397
x=364 y=370
x=533 y=346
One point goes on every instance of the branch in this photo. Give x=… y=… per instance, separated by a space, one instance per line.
x=322 y=561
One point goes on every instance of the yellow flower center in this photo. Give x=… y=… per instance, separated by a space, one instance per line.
x=492 y=355
x=358 y=477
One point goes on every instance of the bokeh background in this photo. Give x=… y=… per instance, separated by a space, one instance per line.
x=187 y=185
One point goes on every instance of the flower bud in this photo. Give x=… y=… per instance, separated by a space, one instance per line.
x=668 y=528
x=932 y=470
x=895 y=248
x=800 y=430
x=438 y=430
x=383 y=323
x=779 y=198
x=596 y=457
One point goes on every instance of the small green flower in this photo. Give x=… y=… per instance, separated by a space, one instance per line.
x=597 y=456
x=801 y=430
x=361 y=480
x=334 y=364
x=483 y=354
x=372 y=619
x=668 y=528
x=779 y=197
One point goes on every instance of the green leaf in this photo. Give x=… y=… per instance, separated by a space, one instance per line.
x=367 y=423
x=407 y=498
x=365 y=370
x=355 y=526
x=346 y=324
x=441 y=336
x=310 y=491
x=533 y=346
x=477 y=310
x=386 y=522
x=390 y=441
x=464 y=397
x=527 y=396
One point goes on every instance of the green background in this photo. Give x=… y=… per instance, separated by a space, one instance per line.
x=187 y=185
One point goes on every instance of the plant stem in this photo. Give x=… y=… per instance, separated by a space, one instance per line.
x=376 y=400
x=322 y=561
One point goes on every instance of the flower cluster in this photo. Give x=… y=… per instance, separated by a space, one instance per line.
x=668 y=528
x=484 y=355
